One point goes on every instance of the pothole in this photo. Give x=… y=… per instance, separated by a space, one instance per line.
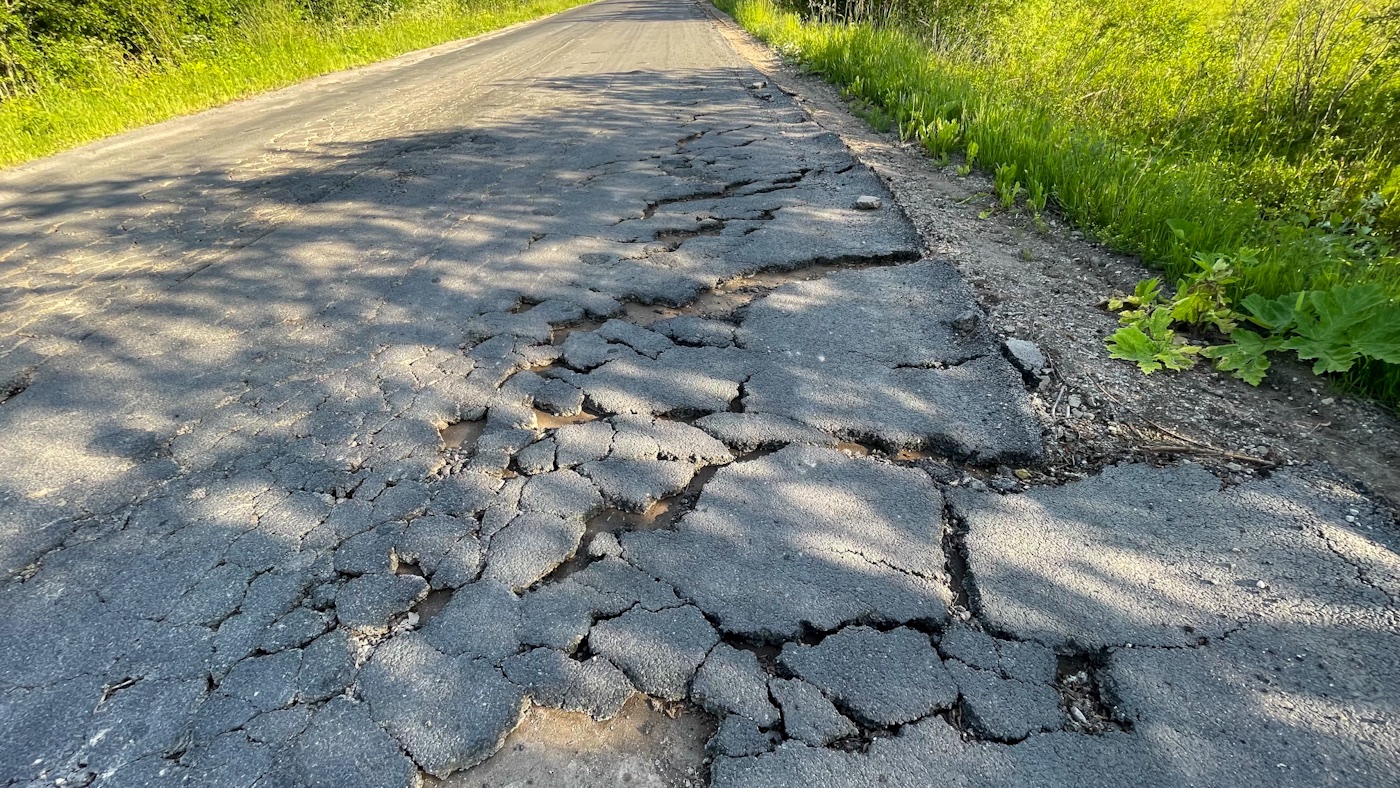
x=15 y=384
x=433 y=604
x=562 y=333
x=955 y=558
x=1077 y=681
x=673 y=239
x=461 y=433
x=549 y=421
x=646 y=744
x=853 y=449
x=856 y=449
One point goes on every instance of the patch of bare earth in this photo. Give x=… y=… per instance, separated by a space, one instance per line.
x=1046 y=286
x=647 y=745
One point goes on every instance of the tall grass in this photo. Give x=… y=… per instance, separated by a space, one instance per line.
x=1166 y=128
x=273 y=44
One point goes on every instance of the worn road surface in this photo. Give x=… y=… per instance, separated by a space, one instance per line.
x=347 y=427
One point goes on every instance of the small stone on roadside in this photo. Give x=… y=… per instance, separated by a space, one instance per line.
x=868 y=203
x=1026 y=356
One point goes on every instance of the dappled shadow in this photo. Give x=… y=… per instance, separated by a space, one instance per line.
x=239 y=367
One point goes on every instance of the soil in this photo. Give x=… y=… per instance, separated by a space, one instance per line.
x=647 y=745
x=1046 y=285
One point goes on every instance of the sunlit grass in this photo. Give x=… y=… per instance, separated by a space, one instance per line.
x=1146 y=159
x=275 y=48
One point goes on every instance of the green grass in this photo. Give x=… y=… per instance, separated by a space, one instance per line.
x=273 y=47
x=1165 y=128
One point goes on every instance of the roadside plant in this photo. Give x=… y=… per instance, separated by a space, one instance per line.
x=1335 y=329
x=969 y=161
x=1203 y=298
x=1008 y=187
x=940 y=137
x=1152 y=344
x=1036 y=195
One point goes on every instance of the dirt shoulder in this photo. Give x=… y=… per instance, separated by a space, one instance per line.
x=1045 y=286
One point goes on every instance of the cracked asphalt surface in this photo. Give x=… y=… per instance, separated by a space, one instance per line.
x=712 y=421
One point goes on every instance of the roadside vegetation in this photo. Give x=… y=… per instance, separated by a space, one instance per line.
x=72 y=71
x=1249 y=149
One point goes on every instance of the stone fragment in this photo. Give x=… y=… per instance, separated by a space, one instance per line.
x=1005 y=709
x=1027 y=357
x=531 y=547
x=295 y=630
x=369 y=552
x=563 y=493
x=481 y=620
x=463 y=494
x=557 y=312
x=559 y=615
x=807 y=714
x=524 y=325
x=868 y=203
x=369 y=601
x=445 y=549
x=644 y=341
x=696 y=331
x=1148 y=556
x=626 y=586
x=585 y=351
x=605 y=545
x=880 y=678
x=576 y=444
x=450 y=713
x=635 y=485
x=737 y=737
x=594 y=687
x=536 y=458
x=746 y=432
x=669 y=385
x=659 y=651
x=731 y=682
x=327 y=667
x=805 y=537
x=976 y=411
x=559 y=397
x=344 y=748
x=667 y=440
x=495 y=448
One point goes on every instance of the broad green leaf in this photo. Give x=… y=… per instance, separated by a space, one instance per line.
x=1245 y=356
x=1379 y=339
x=1274 y=314
x=1330 y=356
x=1147 y=290
x=1342 y=307
x=1183 y=229
x=1130 y=344
x=1190 y=306
x=1178 y=357
x=1158 y=325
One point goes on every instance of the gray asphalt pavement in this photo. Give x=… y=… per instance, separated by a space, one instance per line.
x=343 y=424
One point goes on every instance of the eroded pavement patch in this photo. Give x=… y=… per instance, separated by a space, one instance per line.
x=639 y=455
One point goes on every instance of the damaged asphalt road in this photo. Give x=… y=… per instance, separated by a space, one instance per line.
x=242 y=546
